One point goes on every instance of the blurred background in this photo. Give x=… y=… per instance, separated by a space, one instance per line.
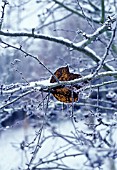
x=37 y=131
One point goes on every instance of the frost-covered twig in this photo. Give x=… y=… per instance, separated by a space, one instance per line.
x=27 y=54
x=3 y=9
x=45 y=85
x=16 y=99
x=81 y=46
x=55 y=159
x=37 y=147
x=97 y=106
x=101 y=84
x=74 y=11
x=52 y=22
x=106 y=51
x=91 y=37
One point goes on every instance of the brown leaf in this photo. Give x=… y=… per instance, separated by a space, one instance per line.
x=63 y=74
x=65 y=94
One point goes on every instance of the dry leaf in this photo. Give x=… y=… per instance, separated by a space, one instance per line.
x=65 y=94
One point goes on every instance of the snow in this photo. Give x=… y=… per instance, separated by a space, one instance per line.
x=11 y=138
x=12 y=156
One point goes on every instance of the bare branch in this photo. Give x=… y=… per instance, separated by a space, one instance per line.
x=3 y=12
x=106 y=51
x=74 y=11
x=81 y=46
x=92 y=37
x=46 y=86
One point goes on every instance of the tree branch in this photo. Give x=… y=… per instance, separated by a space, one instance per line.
x=81 y=46
x=74 y=11
x=45 y=85
x=3 y=12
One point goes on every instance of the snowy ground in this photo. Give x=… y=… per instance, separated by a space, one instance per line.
x=12 y=156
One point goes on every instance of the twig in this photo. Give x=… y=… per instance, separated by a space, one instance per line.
x=40 y=86
x=74 y=11
x=76 y=46
x=106 y=52
x=99 y=107
x=27 y=54
x=45 y=85
x=2 y=17
x=16 y=99
x=63 y=41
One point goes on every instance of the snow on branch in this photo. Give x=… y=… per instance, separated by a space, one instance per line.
x=81 y=46
x=91 y=37
x=45 y=86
